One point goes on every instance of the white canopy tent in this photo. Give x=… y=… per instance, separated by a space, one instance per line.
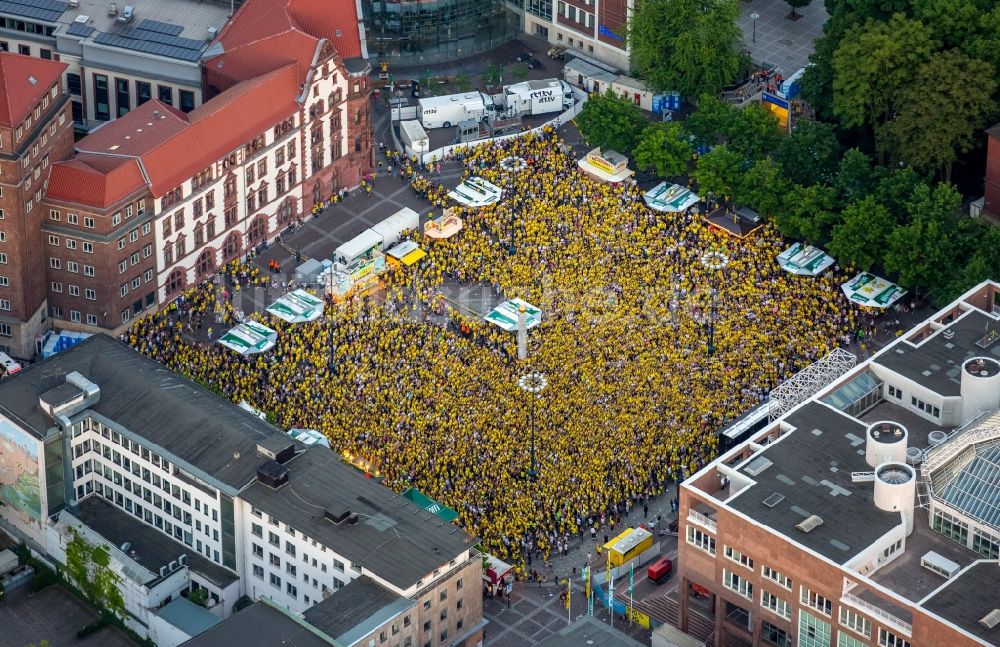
x=476 y=192
x=872 y=291
x=298 y=306
x=249 y=338
x=804 y=260
x=505 y=315
x=670 y=198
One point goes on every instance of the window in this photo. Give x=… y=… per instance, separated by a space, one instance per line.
x=258 y=571
x=845 y=639
x=985 y=544
x=90 y=294
x=273 y=539
x=187 y=100
x=55 y=263
x=92 y=321
x=74 y=290
x=888 y=639
x=74 y=316
x=56 y=286
x=73 y=84
x=775 y=576
x=88 y=222
x=258 y=551
x=774 y=635
x=24 y=49
x=121 y=243
x=5 y=330
x=122 y=267
x=951 y=527
x=122 y=99
x=856 y=622
x=88 y=270
x=813 y=632
x=72 y=266
x=738 y=557
x=926 y=408
x=102 y=105
x=275 y=581
x=54 y=240
x=70 y=243
x=143 y=92
x=54 y=215
x=895 y=392
x=292 y=591
x=701 y=540
x=734 y=582
x=816 y=601
x=776 y=604
x=165 y=94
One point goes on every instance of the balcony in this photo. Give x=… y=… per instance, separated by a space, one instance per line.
x=884 y=617
x=702 y=520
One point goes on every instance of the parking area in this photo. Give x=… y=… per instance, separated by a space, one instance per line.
x=52 y=614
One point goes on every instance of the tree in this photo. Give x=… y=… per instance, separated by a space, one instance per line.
x=520 y=72
x=89 y=567
x=462 y=82
x=921 y=253
x=664 y=148
x=610 y=121
x=796 y=4
x=718 y=171
x=686 y=46
x=894 y=188
x=755 y=132
x=955 y=21
x=493 y=75
x=810 y=154
x=860 y=238
x=806 y=213
x=712 y=122
x=872 y=65
x=854 y=177
x=942 y=110
x=762 y=187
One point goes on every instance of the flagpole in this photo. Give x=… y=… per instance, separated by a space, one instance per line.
x=569 y=603
x=631 y=568
x=611 y=593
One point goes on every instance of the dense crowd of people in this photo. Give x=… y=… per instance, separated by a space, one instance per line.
x=427 y=394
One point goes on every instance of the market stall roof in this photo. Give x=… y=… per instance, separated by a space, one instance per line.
x=505 y=315
x=298 y=306
x=249 y=338
x=407 y=252
x=476 y=192
x=805 y=260
x=670 y=198
x=872 y=291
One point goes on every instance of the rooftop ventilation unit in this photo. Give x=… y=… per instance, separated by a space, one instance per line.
x=81 y=19
x=182 y=560
x=336 y=515
x=273 y=474
x=809 y=523
x=936 y=437
x=163 y=571
x=757 y=465
x=991 y=619
x=948 y=333
x=173 y=565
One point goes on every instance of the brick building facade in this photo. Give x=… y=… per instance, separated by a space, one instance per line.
x=35 y=132
x=163 y=198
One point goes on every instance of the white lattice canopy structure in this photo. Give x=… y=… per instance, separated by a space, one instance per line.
x=807 y=382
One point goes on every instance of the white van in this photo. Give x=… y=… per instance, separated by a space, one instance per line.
x=8 y=366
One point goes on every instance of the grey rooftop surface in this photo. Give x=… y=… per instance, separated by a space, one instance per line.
x=189 y=424
x=187 y=616
x=936 y=362
x=588 y=631
x=259 y=624
x=356 y=610
x=963 y=601
x=153 y=548
x=394 y=538
x=810 y=474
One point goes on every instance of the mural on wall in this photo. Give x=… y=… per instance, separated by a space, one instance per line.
x=19 y=479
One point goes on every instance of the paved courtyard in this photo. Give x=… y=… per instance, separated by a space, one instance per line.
x=52 y=614
x=779 y=41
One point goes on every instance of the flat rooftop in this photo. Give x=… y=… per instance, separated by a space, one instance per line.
x=810 y=474
x=153 y=548
x=963 y=603
x=918 y=428
x=394 y=538
x=260 y=624
x=937 y=362
x=356 y=610
x=177 y=29
x=176 y=417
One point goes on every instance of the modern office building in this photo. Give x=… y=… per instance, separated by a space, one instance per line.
x=424 y=32
x=160 y=198
x=867 y=512
x=35 y=132
x=189 y=492
x=592 y=29
x=118 y=53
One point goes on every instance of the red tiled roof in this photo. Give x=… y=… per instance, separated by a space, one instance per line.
x=136 y=132
x=18 y=94
x=266 y=34
x=222 y=125
x=94 y=180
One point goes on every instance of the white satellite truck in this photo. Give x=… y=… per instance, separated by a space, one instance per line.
x=449 y=110
x=538 y=97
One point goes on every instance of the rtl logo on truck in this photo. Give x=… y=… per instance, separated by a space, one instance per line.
x=541 y=93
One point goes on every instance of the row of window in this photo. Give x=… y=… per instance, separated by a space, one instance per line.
x=36 y=114
x=74 y=290
x=122 y=90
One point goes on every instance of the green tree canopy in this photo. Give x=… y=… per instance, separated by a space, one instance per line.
x=920 y=253
x=796 y=4
x=860 y=238
x=854 y=177
x=686 y=46
x=810 y=154
x=665 y=148
x=712 y=122
x=872 y=65
x=942 y=111
x=718 y=171
x=763 y=187
x=755 y=132
x=806 y=213
x=611 y=122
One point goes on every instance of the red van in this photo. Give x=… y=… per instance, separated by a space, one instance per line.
x=660 y=570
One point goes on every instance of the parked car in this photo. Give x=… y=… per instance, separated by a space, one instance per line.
x=556 y=52
x=660 y=570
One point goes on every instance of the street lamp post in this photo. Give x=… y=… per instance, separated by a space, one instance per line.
x=715 y=262
x=754 y=16
x=533 y=383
